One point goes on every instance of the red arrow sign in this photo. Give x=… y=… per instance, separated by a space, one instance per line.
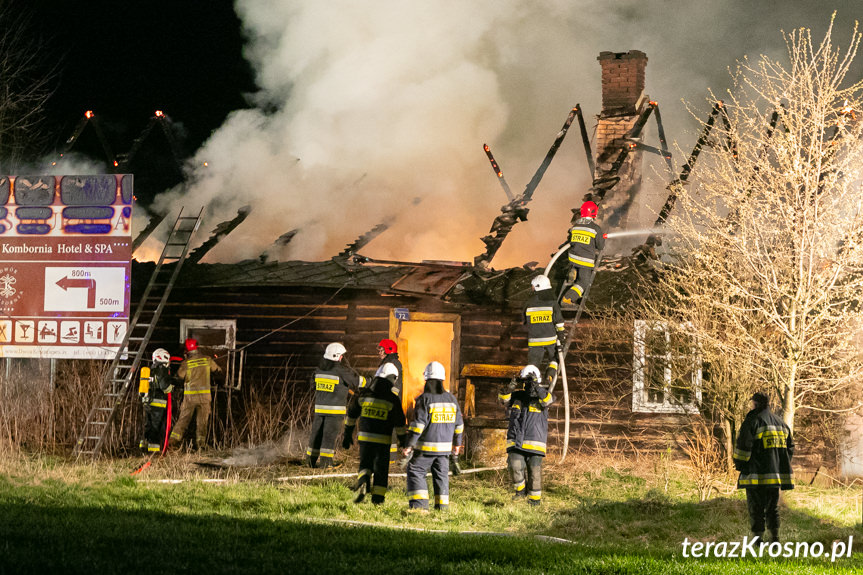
x=67 y=282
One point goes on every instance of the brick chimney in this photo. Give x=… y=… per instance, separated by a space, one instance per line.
x=623 y=99
x=622 y=81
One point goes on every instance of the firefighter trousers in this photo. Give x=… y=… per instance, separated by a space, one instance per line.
x=538 y=354
x=763 y=504
x=578 y=281
x=322 y=441
x=155 y=419
x=201 y=411
x=525 y=469
x=418 y=494
x=374 y=469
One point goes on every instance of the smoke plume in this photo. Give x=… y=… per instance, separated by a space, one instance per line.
x=364 y=106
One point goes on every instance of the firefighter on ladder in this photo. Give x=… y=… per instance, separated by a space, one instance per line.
x=156 y=410
x=434 y=434
x=332 y=383
x=585 y=241
x=527 y=434
x=379 y=411
x=195 y=371
x=544 y=326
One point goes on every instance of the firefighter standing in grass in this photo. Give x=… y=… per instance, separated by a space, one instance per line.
x=380 y=414
x=434 y=434
x=544 y=324
x=156 y=413
x=763 y=458
x=195 y=371
x=585 y=241
x=527 y=434
x=332 y=383
x=389 y=354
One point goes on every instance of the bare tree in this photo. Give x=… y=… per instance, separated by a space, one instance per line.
x=765 y=251
x=24 y=86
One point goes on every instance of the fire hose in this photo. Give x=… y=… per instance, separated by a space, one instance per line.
x=561 y=355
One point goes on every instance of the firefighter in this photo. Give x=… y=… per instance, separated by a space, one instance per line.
x=526 y=436
x=544 y=326
x=434 y=434
x=389 y=354
x=195 y=371
x=763 y=458
x=585 y=241
x=332 y=381
x=156 y=412
x=380 y=414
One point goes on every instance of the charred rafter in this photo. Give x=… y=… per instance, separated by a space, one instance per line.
x=221 y=230
x=516 y=210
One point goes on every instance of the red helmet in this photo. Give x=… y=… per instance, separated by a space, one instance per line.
x=388 y=345
x=191 y=344
x=588 y=210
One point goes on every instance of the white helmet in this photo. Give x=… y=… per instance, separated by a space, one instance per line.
x=161 y=356
x=387 y=370
x=530 y=372
x=335 y=351
x=434 y=370
x=540 y=282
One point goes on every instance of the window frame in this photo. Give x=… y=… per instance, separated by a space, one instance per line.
x=641 y=355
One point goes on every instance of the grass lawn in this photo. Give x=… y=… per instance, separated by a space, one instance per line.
x=616 y=517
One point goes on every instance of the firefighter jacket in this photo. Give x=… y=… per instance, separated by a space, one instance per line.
x=528 y=420
x=543 y=318
x=763 y=452
x=585 y=240
x=332 y=381
x=160 y=380
x=437 y=424
x=195 y=371
x=379 y=412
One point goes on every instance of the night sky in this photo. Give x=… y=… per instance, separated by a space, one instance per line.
x=126 y=59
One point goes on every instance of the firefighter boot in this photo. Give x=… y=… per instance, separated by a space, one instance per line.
x=534 y=502
x=520 y=495
x=774 y=535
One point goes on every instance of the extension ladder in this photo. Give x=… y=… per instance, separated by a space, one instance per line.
x=119 y=378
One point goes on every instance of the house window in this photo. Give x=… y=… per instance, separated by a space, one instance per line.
x=217 y=338
x=666 y=375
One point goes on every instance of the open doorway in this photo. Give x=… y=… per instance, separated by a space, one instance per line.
x=424 y=338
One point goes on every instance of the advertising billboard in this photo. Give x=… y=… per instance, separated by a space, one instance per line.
x=65 y=251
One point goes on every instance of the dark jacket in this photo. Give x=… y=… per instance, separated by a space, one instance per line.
x=528 y=420
x=379 y=412
x=585 y=240
x=543 y=318
x=764 y=451
x=332 y=381
x=437 y=423
x=160 y=380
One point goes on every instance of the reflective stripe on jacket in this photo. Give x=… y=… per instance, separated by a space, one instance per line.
x=528 y=421
x=437 y=424
x=543 y=318
x=585 y=240
x=195 y=371
x=763 y=452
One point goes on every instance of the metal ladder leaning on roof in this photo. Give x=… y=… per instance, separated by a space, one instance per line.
x=118 y=379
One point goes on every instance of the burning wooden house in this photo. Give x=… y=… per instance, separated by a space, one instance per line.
x=260 y=315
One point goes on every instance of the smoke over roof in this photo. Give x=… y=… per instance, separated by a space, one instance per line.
x=365 y=106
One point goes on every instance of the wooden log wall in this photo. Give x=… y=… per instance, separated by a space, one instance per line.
x=599 y=364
